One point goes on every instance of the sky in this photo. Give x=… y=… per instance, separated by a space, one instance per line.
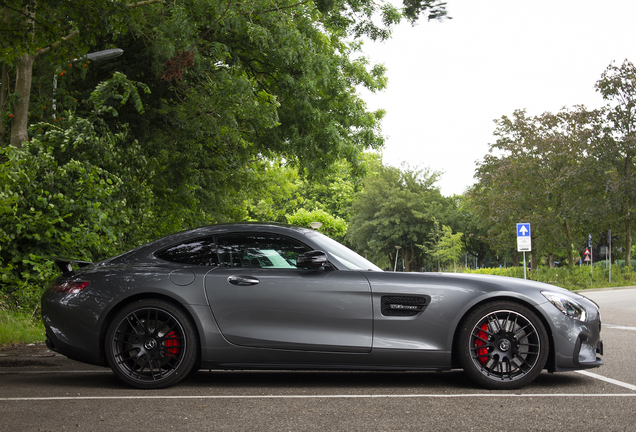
x=449 y=80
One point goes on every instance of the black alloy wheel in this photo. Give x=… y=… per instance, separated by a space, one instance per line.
x=502 y=345
x=151 y=344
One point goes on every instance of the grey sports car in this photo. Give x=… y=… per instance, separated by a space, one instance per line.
x=267 y=296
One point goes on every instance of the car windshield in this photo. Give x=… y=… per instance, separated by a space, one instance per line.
x=346 y=256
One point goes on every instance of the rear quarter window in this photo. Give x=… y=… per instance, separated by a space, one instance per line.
x=200 y=252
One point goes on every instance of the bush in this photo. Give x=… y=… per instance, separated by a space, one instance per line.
x=333 y=226
x=73 y=190
x=621 y=263
x=56 y=200
x=576 y=278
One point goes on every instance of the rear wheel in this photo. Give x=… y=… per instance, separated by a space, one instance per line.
x=151 y=344
x=502 y=345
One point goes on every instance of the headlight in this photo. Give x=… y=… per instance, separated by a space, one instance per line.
x=566 y=305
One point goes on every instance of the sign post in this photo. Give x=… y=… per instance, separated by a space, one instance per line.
x=524 y=242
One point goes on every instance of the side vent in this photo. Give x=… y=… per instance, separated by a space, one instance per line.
x=403 y=306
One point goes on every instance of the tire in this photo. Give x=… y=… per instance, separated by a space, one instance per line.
x=151 y=344
x=502 y=345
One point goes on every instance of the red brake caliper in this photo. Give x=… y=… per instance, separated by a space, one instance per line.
x=172 y=343
x=482 y=353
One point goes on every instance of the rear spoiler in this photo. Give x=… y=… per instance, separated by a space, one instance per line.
x=64 y=264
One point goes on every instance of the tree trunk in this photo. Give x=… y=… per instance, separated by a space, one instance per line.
x=628 y=237
x=407 y=256
x=568 y=247
x=4 y=87
x=20 y=121
x=515 y=258
x=533 y=255
x=4 y=100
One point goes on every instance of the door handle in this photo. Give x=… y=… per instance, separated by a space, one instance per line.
x=242 y=280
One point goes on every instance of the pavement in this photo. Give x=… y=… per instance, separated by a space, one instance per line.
x=25 y=355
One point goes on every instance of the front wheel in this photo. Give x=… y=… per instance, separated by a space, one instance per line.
x=151 y=344
x=502 y=345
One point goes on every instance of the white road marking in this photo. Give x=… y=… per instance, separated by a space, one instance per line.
x=620 y=327
x=608 y=380
x=379 y=396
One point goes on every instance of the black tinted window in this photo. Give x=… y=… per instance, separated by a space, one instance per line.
x=259 y=250
x=195 y=252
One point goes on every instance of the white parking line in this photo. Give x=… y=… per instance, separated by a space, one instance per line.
x=379 y=396
x=620 y=327
x=608 y=380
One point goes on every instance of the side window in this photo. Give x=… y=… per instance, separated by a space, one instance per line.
x=259 y=250
x=201 y=252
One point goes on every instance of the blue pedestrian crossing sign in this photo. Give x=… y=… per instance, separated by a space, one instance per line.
x=524 y=242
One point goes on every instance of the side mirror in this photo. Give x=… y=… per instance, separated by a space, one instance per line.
x=312 y=260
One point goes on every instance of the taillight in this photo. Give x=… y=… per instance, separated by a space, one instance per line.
x=69 y=287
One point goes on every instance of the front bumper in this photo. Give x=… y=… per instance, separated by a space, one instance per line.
x=576 y=344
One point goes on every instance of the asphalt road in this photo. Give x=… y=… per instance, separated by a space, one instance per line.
x=41 y=391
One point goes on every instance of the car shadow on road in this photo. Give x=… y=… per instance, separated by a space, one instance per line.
x=378 y=381
x=300 y=382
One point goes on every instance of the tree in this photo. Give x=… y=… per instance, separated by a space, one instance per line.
x=398 y=207
x=616 y=148
x=243 y=86
x=58 y=32
x=447 y=246
x=536 y=173
x=233 y=85
x=474 y=229
x=63 y=31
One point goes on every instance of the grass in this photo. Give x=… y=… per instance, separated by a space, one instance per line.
x=17 y=327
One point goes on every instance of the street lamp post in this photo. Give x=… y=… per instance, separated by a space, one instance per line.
x=397 y=252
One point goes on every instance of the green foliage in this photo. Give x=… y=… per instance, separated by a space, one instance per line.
x=332 y=226
x=274 y=191
x=575 y=278
x=618 y=263
x=444 y=246
x=30 y=26
x=375 y=19
x=335 y=192
x=277 y=189
x=474 y=229
x=396 y=208
x=58 y=198
x=119 y=88
x=538 y=170
x=615 y=149
x=236 y=90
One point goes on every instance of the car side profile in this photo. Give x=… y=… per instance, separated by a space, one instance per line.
x=270 y=296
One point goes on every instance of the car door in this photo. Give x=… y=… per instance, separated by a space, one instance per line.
x=259 y=298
